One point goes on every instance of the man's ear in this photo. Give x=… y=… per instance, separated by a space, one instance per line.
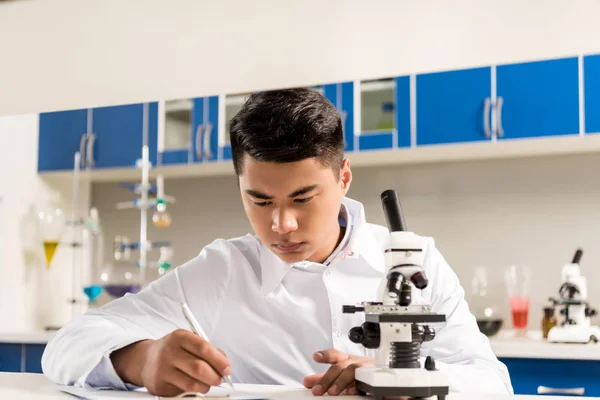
x=345 y=175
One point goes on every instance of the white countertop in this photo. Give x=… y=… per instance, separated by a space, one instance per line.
x=40 y=337
x=506 y=345
x=16 y=386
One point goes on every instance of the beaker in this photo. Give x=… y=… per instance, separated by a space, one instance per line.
x=518 y=280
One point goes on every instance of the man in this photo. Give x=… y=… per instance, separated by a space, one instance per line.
x=271 y=303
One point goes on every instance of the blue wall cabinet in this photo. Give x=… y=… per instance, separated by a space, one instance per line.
x=61 y=135
x=342 y=97
x=119 y=134
x=591 y=81
x=454 y=106
x=528 y=374
x=537 y=99
x=205 y=129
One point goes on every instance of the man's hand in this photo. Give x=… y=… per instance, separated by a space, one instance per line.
x=178 y=362
x=339 y=378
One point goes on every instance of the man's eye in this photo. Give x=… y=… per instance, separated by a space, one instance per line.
x=305 y=200
x=261 y=203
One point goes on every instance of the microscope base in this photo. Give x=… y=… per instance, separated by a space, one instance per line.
x=574 y=334
x=385 y=383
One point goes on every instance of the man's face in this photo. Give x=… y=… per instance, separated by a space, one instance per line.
x=294 y=207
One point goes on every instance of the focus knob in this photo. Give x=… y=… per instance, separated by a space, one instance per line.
x=367 y=334
x=356 y=335
x=590 y=312
x=428 y=334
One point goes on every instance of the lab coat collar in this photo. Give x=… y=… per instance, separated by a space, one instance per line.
x=362 y=245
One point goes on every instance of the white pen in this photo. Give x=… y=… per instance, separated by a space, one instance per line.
x=198 y=331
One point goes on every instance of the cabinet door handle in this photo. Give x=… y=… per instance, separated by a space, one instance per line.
x=82 y=150
x=90 y=150
x=486 y=117
x=206 y=140
x=567 y=391
x=198 y=146
x=499 y=104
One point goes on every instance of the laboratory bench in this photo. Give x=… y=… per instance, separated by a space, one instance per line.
x=36 y=386
x=531 y=361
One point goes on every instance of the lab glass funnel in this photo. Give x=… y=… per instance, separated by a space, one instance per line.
x=52 y=222
x=92 y=292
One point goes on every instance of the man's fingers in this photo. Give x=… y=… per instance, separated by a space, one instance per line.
x=310 y=381
x=344 y=380
x=329 y=378
x=203 y=350
x=197 y=369
x=330 y=356
x=185 y=382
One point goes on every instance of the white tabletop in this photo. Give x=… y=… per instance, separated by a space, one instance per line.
x=18 y=386
x=506 y=345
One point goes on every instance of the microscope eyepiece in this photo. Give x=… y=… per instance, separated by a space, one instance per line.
x=393 y=211
x=577 y=256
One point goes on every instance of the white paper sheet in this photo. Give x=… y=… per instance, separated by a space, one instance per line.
x=214 y=394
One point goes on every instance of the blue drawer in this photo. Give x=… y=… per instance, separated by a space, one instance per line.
x=527 y=374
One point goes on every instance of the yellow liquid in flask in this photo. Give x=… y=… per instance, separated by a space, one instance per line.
x=49 y=250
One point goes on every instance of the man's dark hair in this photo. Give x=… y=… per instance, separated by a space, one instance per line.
x=286 y=126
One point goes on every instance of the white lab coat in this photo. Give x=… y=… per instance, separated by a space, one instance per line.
x=269 y=317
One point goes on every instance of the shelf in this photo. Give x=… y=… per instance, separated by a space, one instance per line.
x=504 y=149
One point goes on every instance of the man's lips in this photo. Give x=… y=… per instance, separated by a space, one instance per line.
x=288 y=247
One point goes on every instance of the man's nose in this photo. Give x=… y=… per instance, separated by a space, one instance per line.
x=284 y=221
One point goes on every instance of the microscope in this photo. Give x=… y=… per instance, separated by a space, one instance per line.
x=395 y=328
x=576 y=326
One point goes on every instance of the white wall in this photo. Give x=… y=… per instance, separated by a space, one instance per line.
x=31 y=296
x=65 y=54
x=534 y=211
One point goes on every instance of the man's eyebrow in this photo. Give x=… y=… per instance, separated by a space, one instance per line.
x=258 y=195
x=303 y=190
